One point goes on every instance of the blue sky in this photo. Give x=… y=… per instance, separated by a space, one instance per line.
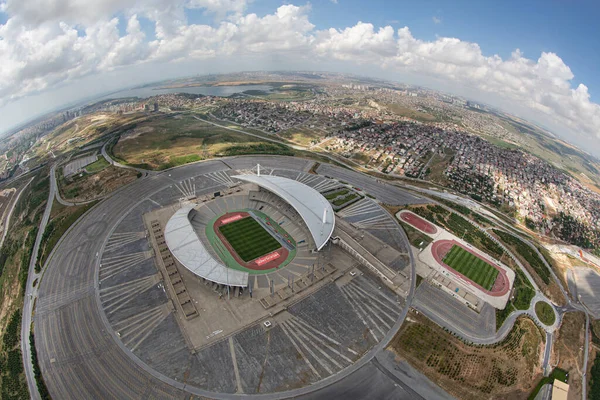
x=569 y=28
x=557 y=39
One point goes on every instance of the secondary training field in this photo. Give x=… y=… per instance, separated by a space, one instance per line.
x=249 y=239
x=471 y=266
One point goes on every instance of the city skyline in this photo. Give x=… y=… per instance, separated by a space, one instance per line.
x=75 y=49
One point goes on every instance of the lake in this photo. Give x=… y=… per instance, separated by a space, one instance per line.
x=222 y=91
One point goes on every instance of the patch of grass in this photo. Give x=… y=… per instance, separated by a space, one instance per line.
x=177 y=161
x=260 y=148
x=471 y=266
x=523 y=293
x=545 y=313
x=556 y=373
x=416 y=238
x=97 y=166
x=345 y=199
x=249 y=239
x=39 y=379
x=594 y=393
x=333 y=195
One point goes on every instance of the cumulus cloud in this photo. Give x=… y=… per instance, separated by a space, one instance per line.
x=436 y=20
x=46 y=43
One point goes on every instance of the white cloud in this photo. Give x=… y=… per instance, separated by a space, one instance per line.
x=436 y=20
x=48 y=43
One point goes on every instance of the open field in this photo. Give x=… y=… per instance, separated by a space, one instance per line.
x=545 y=313
x=302 y=135
x=88 y=186
x=507 y=370
x=81 y=131
x=249 y=239
x=416 y=238
x=523 y=293
x=176 y=140
x=97 y=166
x=471 y=266
x=568 y=354
x=411 y=113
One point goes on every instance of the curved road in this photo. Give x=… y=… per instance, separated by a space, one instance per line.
x=31 y=293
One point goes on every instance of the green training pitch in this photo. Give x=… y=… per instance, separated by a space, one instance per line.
x=471 y=266
x=249 y=239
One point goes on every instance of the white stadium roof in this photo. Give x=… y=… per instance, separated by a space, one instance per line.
x=189 y=250
x=314 y=209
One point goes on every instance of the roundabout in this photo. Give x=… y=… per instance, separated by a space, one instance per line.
x=122 y=313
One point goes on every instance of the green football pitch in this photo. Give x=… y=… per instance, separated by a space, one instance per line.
x=249 y=239
x=471 y=266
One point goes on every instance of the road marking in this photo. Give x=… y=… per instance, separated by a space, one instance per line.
x=235 y=366
x=300 y=352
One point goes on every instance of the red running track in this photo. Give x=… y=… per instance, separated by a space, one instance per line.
x=418 y=222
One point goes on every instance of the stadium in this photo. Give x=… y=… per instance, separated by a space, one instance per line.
x=247 y=238
x=225 y=279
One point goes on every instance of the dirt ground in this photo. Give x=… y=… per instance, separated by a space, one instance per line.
x=508 y=370
x=567 y=352
x=158 y=142
x=88 y=187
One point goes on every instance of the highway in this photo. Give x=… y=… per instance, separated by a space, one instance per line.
x=31 y=293
x=10 y=212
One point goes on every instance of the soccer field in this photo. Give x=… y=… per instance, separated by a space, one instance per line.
x=249 y=239
x=471 y=266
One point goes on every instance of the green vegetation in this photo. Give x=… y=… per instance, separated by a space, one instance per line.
x=416 y=238
x=466 y=370
x=419 y=280
x=39 y=379
x=526 y=253
x=523 y=293
x=465 y=211
x=56 y=228
x=460 y=227
x=594 y=391
x=545 y=313
x=11 y=364
x=177 y=161
x=333 y=195
x=557 y=373
x=249 y=239
x=346 y=199
x=97 y=166
x=14 y=267
x=471 y=266
x=258 y=148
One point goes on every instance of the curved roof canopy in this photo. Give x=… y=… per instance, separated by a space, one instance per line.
x=314 y=209
x=188 y=249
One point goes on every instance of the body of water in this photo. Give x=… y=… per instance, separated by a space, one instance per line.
x=222 y=91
